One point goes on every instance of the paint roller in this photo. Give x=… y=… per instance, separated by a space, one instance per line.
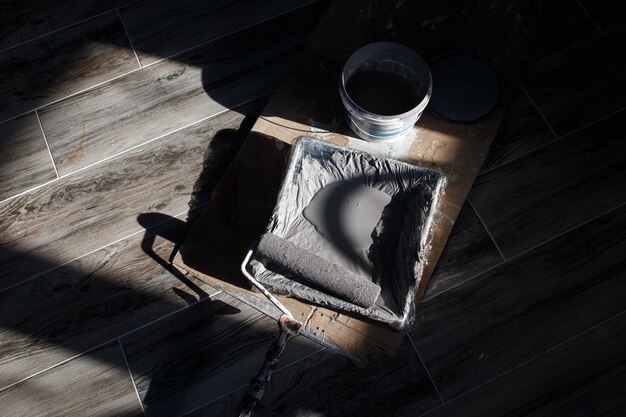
x=313 y=270
x=318 y=272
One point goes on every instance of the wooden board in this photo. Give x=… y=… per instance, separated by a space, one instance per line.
x=97 y=384
x=63 y=63
x=584 y=376
x=547 y=193
x=506 y=316
x=81 y=213
x=203 y=353
x=24 y=158
x=307 y=104
x=185 y=24
x=170 y=95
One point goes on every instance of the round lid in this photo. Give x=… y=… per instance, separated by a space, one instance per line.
x=465 y=89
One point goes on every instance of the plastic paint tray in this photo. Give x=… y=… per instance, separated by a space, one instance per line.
x=401 y=240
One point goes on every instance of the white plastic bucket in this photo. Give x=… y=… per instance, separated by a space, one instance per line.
x=396 y=60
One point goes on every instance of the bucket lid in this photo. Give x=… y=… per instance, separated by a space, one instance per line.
x=465 y=89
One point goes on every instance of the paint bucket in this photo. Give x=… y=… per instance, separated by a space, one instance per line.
x=384 y=87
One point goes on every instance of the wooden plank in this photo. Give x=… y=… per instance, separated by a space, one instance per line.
x=515 y=311
x=91 y=301
x=555 y=188
x=21 y=21
x=584 y=377
x=327 y=384
x=522 y=131
x=571 y=99
x=93 y=208
x=191 y=358
x=469 y=251
x=566 y=24
x=97 y=381
x=24 y=158
x=307 y=99
x=187 y=23
x=605 y=13
x=154 y=101
x=63 y=63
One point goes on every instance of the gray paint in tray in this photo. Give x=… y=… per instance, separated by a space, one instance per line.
x=385 y=239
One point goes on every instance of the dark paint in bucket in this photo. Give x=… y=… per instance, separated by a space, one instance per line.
x=382 y=92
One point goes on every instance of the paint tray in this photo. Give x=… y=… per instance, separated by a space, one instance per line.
x=400 y=245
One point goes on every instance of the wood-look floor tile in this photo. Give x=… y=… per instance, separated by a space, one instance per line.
x=584 y=377
x=63 y=63
x=558 y=187
x=157 y=100
x=24 y=158
x=522 y=130
x=327 y=384
x=469 y=251
x=186 y=23
x=92 y=300
x=93 y=208
x=606 y=13
x=565 y=24
x=211 y=349
x=21 y=21
x=94 y=384
x=581 y=85
x=508 y=315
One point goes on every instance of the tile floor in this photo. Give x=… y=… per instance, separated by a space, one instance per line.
x=114 y=130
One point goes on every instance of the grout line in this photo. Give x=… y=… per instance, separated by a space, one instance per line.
x=486 y=229
x=426 y=369
x=246 y=385
x=551 y=142
x=171 y=313
x=301 y=359
x=70 y=261
x=538 y=110
x=518 y=157
x=130 y=41
x=103 y=344
x=589 y=16
x=47 y=144
x=577 y=44
x=593 y=122
x=36 y=38
x=616 y=28
x=527 y=361
x=152 y=63
x=468 y=279
x=219 y=113
x=130 y=373
x=222 y=36
x=526 y=251
x=214 y=400
x=216 y=114
x=56 y=365
x=90 y=252
x=84 y=90
x=29 y=190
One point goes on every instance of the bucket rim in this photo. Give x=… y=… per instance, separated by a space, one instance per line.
x=417 y=109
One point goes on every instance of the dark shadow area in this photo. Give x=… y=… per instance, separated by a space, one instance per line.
x=217 y=157
x=57 y=309
x=176 y=236
x=76 y=309
x=114 y=291
x=243 y=66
